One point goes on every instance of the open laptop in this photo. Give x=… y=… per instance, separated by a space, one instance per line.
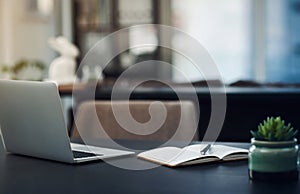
x=32 y=124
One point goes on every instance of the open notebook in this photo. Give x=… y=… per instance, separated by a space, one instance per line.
x=173 y=156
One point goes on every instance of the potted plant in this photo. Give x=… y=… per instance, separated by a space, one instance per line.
x=23 y=70
x=273 y=155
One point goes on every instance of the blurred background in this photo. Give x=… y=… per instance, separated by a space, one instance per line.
x=248 y=39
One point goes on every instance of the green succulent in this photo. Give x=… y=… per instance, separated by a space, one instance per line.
x=274 y=129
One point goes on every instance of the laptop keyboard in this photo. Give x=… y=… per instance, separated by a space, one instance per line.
x=78 y=154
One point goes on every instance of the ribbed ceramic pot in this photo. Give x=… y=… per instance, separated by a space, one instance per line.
x=273 y=160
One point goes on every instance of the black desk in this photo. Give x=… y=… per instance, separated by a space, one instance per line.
x=20 y=174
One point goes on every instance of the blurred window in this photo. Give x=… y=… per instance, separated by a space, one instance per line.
x=248 y=39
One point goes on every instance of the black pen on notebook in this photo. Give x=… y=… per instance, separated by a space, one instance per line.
x=205 y=149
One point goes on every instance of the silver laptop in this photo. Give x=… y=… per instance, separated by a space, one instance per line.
x=32 y=124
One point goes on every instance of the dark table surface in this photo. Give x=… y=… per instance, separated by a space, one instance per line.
x=20 y=174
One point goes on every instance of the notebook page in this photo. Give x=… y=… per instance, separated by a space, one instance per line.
x=196 y=147
x=222 y=151
x=162 y=155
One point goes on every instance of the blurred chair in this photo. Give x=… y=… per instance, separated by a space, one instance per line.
x=91 y=113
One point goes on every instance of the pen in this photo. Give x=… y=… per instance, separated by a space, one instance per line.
x=204 y=150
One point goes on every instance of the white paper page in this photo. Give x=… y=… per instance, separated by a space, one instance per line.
x=174 y=156
x=196 y=148
x=191 y=152
x=183 y=156
x=222 y=151
x=216 y=150
x=164 y=155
